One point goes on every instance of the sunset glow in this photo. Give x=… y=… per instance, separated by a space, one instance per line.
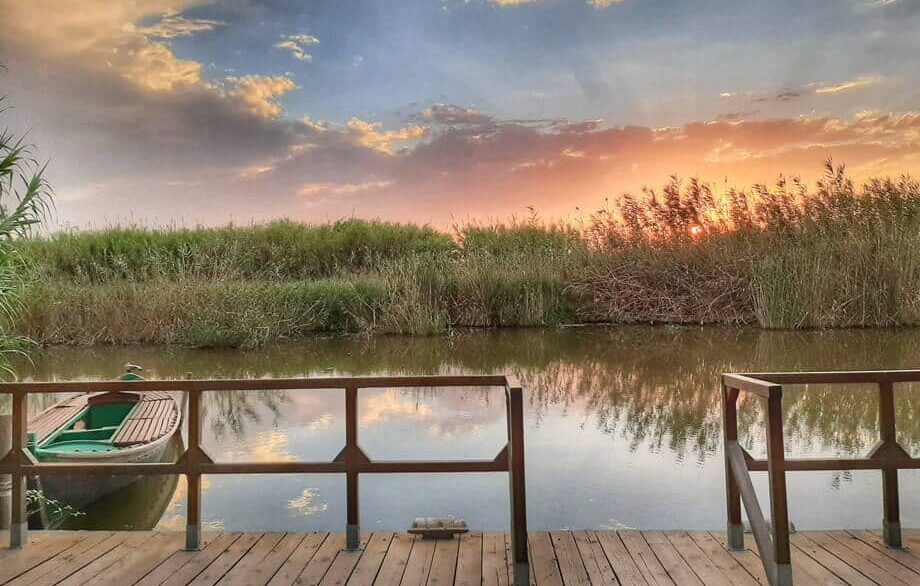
x=444 y=111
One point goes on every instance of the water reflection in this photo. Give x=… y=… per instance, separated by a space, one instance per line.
x=635 y=406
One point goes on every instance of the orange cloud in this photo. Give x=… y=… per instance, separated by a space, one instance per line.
x=260 y=92
x=297 y=44
x=859 y=82
x=369 y=134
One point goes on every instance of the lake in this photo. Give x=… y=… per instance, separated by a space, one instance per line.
x=622 y=427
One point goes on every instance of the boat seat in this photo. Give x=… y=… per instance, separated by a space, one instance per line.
x=149 y=421
x=48 y=422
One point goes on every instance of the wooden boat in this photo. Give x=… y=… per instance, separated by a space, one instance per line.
x=105 y=428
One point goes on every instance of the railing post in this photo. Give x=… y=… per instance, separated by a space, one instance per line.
x=19 y=515
x=352 y=525
x=891 y=520
x=521 y=567
x=193 y=473
x=6 y=483
x=776 y=468
x=735 y=528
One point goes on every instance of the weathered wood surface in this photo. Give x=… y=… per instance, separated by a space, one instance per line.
x=153 y=418
x=49 y=420
x=563 y=558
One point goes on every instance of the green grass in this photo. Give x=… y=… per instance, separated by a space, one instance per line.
x=783 y=256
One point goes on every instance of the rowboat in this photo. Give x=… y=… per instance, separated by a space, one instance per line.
x=101 y=428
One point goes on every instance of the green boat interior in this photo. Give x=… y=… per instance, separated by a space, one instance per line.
x=90 y=431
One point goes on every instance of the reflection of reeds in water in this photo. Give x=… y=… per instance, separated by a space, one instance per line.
x=229 y=411
x=644 y=385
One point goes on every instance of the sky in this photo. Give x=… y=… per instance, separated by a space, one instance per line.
x=185 y=112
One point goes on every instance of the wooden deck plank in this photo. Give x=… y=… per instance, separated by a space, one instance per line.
x=444 y=562
x=721 y=559
x=314 y=571
x=645 y=559
x=344 y=564
x=843 y=571
x=543 y=560
x=190 y=563
x=600 y=572
x=130 y=568
x=571 y=567
x=469 y=560
x=747 y=558
x=622 y=563
x=805 y=569
x=16 y=562
x=895 y=572
x=296 y=563
x=103 y=563
x=251 y=560
x=273 y=560
x=673 y=562
x=224 y=562
x=704 y=568
x=903 y=556
x=369 y=564
x=494 y=563
x=65 y=564
x=584 y=558
x=418 y=565
x=395 y=561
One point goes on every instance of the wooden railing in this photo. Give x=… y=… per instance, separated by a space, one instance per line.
x=195 y=461
x=887 y=456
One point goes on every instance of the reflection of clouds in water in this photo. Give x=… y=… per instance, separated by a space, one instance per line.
x=306 y=504
x=173 y=518
x=391 y=404
x=177 y=523
x=265 y=446
x=325 y=421
x=448 y=411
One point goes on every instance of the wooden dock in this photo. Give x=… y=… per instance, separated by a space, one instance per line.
x=608 y=558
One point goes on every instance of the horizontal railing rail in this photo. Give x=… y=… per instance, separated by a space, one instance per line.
x=351 y=461
x=887 y=455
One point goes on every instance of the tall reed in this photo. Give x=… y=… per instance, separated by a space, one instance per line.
x=780 y=256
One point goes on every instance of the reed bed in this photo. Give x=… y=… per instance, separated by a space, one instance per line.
x=780 y=256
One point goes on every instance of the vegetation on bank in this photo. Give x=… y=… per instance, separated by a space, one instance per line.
x=24 y=200
x=784 y=256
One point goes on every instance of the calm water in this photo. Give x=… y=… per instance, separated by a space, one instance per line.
x=622 y=428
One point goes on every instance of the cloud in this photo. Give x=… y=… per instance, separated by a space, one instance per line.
x=155 y=67
x=176 y=25
x=450 y=114
x=260 y=92
x=594 y=3
x=369 y=134
x=604 y=3
x=297 y=44
x=133 y=128
x=858 y=83
x=814 y=88
x=312 y=189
